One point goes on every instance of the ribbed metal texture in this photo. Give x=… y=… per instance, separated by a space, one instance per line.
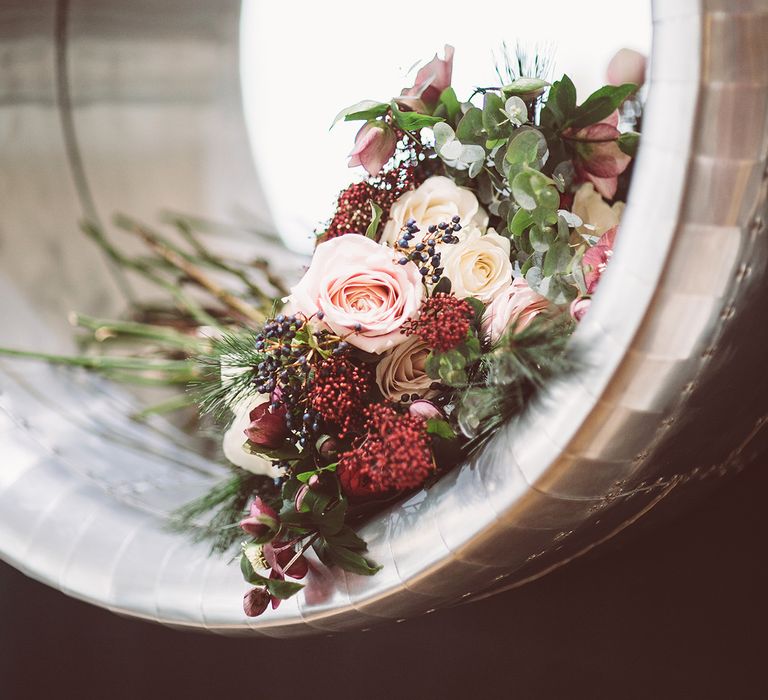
x=107 y=106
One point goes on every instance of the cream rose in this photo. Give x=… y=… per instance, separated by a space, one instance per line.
x=401 y=371
x=235 y=439
x=360 y=292
x=478 y=265
x=437 y=199
x=517 y=305
x=598 y=216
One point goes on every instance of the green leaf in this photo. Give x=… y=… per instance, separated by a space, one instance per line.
x=561 y=101
x=600 y=104
x=450 y=101
x=540 y=238
x=557 y=259
x=520 y=222
x=432 y=365
x=412 y=121
x=348 y=538
x=470 y=128
x=351 y=561
x=628 y=143
x=332 y=520
x=373 y=227
x=362 y=111
x=477 y=306
x=442 y=287
x=249 y=574
x=440 y=428
x=527 y=147
x=494 y=116
x=283 y=589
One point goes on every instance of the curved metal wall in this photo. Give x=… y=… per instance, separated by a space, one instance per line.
x=111 y=107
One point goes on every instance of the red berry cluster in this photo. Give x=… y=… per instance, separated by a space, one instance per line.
x=394 y=455
x=339 y=394
x=443 y=322
x=353 y=209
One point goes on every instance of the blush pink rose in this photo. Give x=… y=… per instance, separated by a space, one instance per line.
x=360 y=292
x=374 y=145
x=517 y=306
x=430 y=82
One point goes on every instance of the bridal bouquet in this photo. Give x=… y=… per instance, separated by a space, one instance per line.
x=439 y=299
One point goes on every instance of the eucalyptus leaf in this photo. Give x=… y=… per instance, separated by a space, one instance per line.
x=516 y=111
x=525 y=86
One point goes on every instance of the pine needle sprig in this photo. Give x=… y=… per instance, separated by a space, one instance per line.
x=227 y=372
x=512 y=374
x=215 y=515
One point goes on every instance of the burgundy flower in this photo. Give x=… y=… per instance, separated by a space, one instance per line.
x=267 y=428
x=430 y=82
x=596 y=259
x=598 y=157
x=262 y=520
x=375 y=144
x=256 y=601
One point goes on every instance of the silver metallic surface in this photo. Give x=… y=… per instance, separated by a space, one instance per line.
x=108 y=106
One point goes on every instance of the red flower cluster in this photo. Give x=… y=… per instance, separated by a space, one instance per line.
x=353 y=209
x=443 y=322
x=339 y=393
x=394 y=455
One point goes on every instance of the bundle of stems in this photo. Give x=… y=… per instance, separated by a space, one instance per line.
x=208 y=296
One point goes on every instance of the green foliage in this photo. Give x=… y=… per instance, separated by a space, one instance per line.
x=214 y=515
x=628 y=143
x=440 y=428
x=362 y=111
x=519 y=366
x=412 y=121
x=373 y=227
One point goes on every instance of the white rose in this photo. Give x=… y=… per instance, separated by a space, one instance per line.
x=478 y=265
x=401 y=371
x=437 y=199
x=598 y=216
x=235 y=439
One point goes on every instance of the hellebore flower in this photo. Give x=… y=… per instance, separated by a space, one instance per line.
x=598 y=157
x=375 y=144
x=430 y=82
x=596 y=259
x=256 y=601
x=267 y=427
x=262 y=520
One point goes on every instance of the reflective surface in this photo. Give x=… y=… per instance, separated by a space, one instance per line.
x=107 y=109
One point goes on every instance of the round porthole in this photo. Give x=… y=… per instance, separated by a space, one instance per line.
x=672 y=396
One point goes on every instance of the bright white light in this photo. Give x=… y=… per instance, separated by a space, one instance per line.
x=301 y=62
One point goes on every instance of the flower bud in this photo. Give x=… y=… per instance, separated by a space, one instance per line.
x=375 y=144
x=299 y=568
x=262 y=520
x=256 y=601
x=626 y=66
x=425 y=409
x=267 y=428
x=579 y=307
x=300 y=494
x=326 y=446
